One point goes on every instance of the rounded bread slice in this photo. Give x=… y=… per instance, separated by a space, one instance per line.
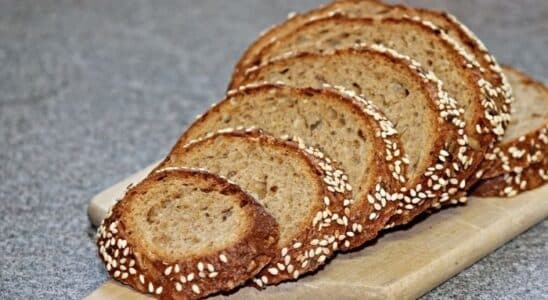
x=350 y=130
x=428 y=120
x=298 y=185
x=185 y=234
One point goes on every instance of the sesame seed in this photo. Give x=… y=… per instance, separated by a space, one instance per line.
x=273 y=271
x=223 y=258
x=159 y=290
x=195 y=289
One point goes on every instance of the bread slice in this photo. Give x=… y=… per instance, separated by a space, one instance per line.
x=526 y=140
x=351 y=130
x=513 y=183
x=520 y=163
x=428 y=120
x=298 y=185
x=184 y=234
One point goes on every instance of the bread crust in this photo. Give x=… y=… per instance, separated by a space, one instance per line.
x=314 y=244
x=194 y=277
x=387 y=167
x=450 y=139
x=526 y=150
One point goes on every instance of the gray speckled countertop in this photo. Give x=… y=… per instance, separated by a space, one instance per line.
x=91 y=91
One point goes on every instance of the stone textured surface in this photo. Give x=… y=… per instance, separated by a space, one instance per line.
x=91 y=91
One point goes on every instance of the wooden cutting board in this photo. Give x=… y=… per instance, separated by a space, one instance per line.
x=402 y=264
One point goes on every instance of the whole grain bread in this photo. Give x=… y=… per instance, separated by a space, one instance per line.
x=350 y=130
x=429 y=121
x=184 y=234
x=299 y=186
x=526 y=140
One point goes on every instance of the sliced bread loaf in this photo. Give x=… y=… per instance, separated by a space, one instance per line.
x=184 y=234
x=350 y=130
x=526 y=140
x=428 y=120
x=299 y=186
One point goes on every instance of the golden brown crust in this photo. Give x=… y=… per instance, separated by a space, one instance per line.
x=449 y=138
x=511 y=184
x=195 y=277
x=387 y=167
x=527 y=149
x=314 y=244
x=518 y=154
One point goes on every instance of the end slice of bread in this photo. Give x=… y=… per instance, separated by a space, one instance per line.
x=304 y=191
x=526 y=140
x=350 y=130
x=428 y=120
x=184 y=234
x=520 y=163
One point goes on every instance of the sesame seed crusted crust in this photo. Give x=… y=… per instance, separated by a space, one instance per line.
x=527 y=144
x=518 y=154
x=444 y=173
x=513 y=183
x=312 y=245
x=129 y=261
x=386 y=169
